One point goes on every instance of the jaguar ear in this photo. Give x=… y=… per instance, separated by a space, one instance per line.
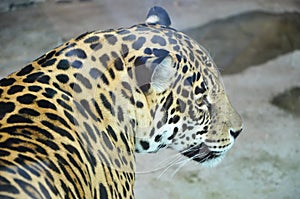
x=163 y=74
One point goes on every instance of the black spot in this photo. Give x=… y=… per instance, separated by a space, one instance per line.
x=185 y=69
x=148 y=51
x=160 y=52
x=30 y=190
x=62 y=78
x=71 y=118
x=199 y=90
x=63 y=64
x=7 y=81
x=75 y=87
x=77 y=64
x=95 y=73
x=6 y=107
x=44 y=79
x=85 y=104
x=64 y=105
x=34 y=88
x=49 y=62
x=145 y=144
x=139 y=104
x=58 y=130
x=103 y=192
x=107 y=141
x=28 y=111
x=138 y=43
x=168 y=102
x=123 y=32
x=33 y=77
x=81 y=36
x=26 y=70
x=157 y=138
x=119 y=64
x=26 y=99
x=76 y=52
x=129 y=38
x=188 y=81
x=111 y=39
x=52 y=116
x=104 y=59
x=80 y=109
x=15 y=89
x=158 y=40
x=91 y=39
x=120 y=114
x=111 y=73
x=112 y=133
x=96 y=46
x=46 y=104
x=107 y=104
x=83 y=80
x=125 y=50
x=49 y=93
x=18 y=119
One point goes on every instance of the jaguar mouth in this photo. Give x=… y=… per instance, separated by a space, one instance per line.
x=200 y=153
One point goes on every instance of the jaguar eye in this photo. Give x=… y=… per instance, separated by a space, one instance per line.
x=200 y=101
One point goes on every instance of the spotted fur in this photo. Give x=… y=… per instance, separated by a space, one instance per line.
x=71 y=120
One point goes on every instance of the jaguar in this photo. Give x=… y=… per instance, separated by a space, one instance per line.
x=72 y=120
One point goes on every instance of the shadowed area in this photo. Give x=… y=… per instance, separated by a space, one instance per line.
x=248 y=39
x=289 y=100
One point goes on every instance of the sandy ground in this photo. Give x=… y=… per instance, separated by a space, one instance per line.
x=264 y=163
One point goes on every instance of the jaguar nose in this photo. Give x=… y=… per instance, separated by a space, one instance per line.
x=235 y=134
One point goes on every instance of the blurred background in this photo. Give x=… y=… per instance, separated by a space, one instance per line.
x=256 y=45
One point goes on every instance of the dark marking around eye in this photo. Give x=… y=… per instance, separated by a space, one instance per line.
x=26 y=99
x=138 y=43
x=7 y=81
x=15 y=89
x=26 y=70
x=76 y=52
x=158 y=40
x=63 y=65
x=111 y=39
